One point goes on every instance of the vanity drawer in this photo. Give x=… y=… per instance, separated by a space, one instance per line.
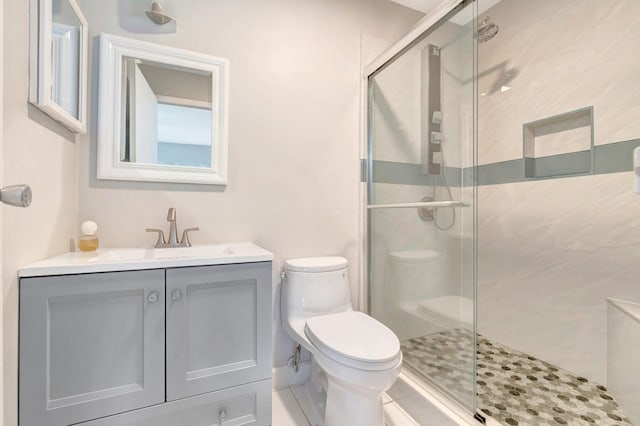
x=244 y=405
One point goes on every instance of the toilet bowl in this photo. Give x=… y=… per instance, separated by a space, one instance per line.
x=359 y=356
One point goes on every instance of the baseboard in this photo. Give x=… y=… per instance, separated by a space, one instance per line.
x=286 y=376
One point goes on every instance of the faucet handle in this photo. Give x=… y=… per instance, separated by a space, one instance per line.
x=185 y=237
x=160 y=242
x=171 y=214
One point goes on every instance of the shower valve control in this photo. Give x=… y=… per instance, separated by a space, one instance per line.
x=436 y=157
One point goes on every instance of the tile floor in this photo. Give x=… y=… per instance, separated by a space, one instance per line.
x=286 y=411
x=400 y=404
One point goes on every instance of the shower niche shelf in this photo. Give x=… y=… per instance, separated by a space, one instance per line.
x=560 y=145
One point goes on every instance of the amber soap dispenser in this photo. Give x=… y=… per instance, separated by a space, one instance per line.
x=89 y=240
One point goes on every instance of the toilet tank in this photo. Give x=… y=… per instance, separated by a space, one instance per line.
x=316 y=286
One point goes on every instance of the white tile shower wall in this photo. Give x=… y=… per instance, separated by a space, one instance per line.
x=39 y=152
x=397 y=90
x=400 y=230
x=293 y=130
x=398 y=280
x=558 y=57
x=550 y=253
x=396 y=111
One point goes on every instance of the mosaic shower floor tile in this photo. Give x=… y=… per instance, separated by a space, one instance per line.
x=514 y=388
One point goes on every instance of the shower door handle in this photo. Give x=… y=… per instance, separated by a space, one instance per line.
x=16 y=195
x=431 y=204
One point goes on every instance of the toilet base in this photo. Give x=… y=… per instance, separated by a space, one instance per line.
x=347 y=404
x=315 y=389
x=354 y=407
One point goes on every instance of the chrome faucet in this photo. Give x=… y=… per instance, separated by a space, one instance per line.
x=173 y=228
x=173 y=233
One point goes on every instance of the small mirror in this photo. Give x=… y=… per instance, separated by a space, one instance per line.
x=59 y=61
x=162 y=114
x=167 y=116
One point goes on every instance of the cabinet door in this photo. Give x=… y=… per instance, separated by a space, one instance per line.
x=91 y=345
x=218 y=327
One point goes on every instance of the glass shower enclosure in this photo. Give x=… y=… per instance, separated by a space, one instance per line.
x=502 y=210
x=421 y=202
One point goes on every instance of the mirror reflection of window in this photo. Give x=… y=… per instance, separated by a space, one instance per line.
x=167 y=115
x=184 y=135
x=65 y=55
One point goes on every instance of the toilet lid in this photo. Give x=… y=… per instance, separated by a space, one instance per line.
x=353 y=335
x=316 y=264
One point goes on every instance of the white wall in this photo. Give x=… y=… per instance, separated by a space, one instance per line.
x=551 y=251
x=293 y=130
x=41 y=153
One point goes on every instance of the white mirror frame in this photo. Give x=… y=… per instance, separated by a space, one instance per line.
x=112 y=51
x=40 y=65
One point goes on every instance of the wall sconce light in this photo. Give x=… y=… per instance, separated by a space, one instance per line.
x=157 y=15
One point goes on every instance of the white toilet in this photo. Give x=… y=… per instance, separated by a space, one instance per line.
x=360 y=356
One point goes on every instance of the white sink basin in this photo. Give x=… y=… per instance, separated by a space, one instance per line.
x=136 y=255
x=130 y=259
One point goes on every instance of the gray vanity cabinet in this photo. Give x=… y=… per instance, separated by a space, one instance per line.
x=218 y=327
x=185 y=346
x=91 y=345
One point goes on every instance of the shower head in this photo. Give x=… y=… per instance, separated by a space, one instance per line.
x=486 y=30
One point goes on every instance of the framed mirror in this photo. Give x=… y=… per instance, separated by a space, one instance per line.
x=162 y=113
x=58 y=61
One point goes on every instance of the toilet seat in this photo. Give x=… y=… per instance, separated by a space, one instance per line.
x=354 y=339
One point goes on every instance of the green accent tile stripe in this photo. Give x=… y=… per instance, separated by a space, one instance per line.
x=410 y=174
x=503 y=172
x=610 y=158
x=571 y=163
x=615 y=157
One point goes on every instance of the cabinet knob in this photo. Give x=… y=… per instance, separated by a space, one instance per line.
x=176 y=295
x=153 y=297
x=222 y=416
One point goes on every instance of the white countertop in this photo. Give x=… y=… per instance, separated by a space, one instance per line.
x=111 y=260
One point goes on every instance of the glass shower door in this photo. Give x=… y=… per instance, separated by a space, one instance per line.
x=421 y=203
